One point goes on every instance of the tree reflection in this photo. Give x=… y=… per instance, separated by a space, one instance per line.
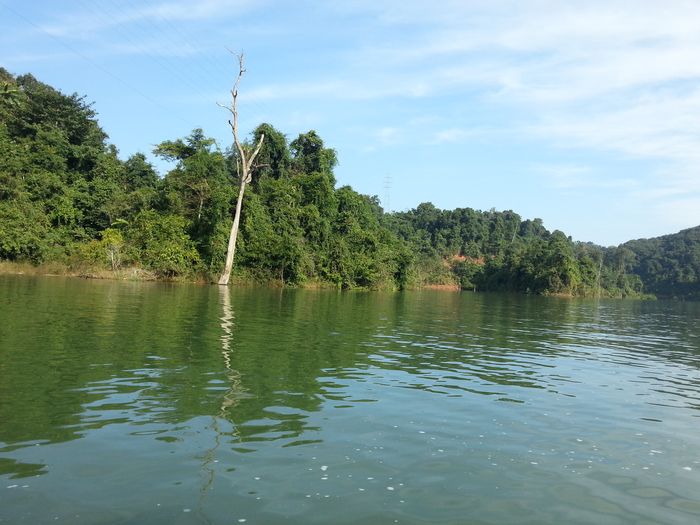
x=230 y=398
x=167 y=361
x=236 y=389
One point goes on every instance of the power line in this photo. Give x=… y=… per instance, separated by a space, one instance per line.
x=204 y=63
x=136 y=33
x=94 y=64
x=213 y=72
x=173 y=71
x=207 y=66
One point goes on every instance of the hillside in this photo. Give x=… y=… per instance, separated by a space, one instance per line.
x=669 y=266
x=66 y=197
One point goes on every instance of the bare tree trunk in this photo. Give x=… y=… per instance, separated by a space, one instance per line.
x=231 y=250
x=245 y=174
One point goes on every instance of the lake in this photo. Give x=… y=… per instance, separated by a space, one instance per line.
x=157 y=403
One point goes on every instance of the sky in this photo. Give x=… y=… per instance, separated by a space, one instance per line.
x=583 y=114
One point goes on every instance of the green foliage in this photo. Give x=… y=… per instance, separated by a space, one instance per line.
x=669 y=266
x=297 y=227
x=274 y=159
x=108 y=252
x=199 y=189
x=58 y=176
x=161 y=244
x=23 y=231
x=310 y=156
x=66 y=195
x=498 y=251
x=178 y=150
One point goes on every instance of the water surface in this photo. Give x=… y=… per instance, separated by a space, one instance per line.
x=127 y=403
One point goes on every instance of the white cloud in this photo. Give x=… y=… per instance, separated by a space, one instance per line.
x=575 y=177
x=294 y=90
x=609 y=76
x=619 y=59
x=342 y=88
x=450 y=135
x=22 y=59
x=388 y=135
x=612 y=76
x=677 y=212
x=606 y=75
x=103 y=17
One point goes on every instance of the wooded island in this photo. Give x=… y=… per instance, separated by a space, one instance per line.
x=67 y=198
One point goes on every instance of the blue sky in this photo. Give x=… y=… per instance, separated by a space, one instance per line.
x=585 y=114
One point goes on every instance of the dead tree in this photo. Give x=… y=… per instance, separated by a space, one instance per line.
x=244 y=163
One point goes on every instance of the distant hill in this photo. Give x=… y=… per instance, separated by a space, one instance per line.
x=669 y=266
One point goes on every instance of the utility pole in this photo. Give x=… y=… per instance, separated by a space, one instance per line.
x=387 y=193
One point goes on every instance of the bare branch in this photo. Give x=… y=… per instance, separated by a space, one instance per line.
x=234 y=110
x=225 y=107
x=257 y=148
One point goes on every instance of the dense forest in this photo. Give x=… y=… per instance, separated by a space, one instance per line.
x=67 y=198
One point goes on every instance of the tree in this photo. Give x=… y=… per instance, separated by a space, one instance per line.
x=274 y=159
x=161 y=243
x=199 y=189
x=245 y=164
x=310 y=155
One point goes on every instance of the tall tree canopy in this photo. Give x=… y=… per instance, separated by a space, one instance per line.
x=66 y=196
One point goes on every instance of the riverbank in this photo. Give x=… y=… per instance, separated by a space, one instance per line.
x=63 y=270
x=140 y=274
x=57 y=269
x=240 y=279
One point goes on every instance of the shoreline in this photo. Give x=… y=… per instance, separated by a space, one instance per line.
x=55 y=269
x=136 y=274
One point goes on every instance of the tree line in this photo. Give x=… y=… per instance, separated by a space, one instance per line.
x=67 y=197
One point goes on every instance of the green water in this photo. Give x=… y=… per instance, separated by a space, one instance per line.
x=127 y=403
